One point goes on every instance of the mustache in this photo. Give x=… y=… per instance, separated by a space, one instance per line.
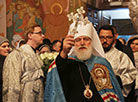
x=82 y=47
x=105 y=43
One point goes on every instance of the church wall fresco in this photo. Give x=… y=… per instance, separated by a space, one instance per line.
x=50 y=14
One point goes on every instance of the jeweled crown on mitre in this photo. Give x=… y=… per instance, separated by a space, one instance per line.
x=81 y=26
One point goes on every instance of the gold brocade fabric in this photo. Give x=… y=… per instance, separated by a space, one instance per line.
x=101 y=77
x=22 y=76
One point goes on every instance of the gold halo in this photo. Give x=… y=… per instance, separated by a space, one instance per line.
x=56 y=4
x=100 y=70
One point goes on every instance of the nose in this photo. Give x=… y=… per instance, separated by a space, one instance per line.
x=104 y=40
x=8 y=48
x=43 y=35
x=82 y=42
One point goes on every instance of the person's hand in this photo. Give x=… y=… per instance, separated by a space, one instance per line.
x=67 y=45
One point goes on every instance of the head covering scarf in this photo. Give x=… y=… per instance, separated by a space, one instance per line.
x=21 y=41
x=44 y=45
x=16 y=38
x=130 y=40
x=3 y=39
x=132 y=37
x=88 y=30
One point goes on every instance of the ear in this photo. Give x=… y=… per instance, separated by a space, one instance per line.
x=116 y=35
x=30 y=36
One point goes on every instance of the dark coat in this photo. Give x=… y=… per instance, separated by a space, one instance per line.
x=73 y=85
x=127 y=50
x=2 y=58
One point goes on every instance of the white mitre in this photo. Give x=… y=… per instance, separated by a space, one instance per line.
x=87 y=29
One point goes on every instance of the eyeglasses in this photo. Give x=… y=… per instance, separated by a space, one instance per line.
x=40 y=33
x=106 y=37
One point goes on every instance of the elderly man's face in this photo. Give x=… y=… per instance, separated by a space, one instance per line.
x=83 y=47
x=82 y=42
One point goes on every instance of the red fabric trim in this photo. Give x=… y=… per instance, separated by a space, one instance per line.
x=110 y=95
x=52 y=64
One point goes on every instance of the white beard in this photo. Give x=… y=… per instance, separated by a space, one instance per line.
x=84 y=54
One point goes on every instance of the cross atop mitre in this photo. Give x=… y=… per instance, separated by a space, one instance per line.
x=78 y=19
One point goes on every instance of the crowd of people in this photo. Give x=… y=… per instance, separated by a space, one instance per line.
x=92 y=66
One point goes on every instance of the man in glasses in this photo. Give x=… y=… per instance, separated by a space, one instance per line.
x=120 y=62
x=22 y=74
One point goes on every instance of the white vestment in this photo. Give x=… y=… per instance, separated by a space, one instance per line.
x=123 y=67
x=22 y=76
